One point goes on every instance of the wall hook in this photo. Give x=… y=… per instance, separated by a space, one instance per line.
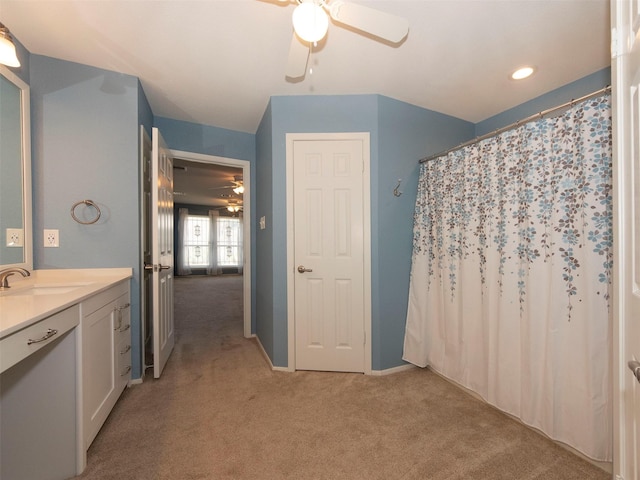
x=396 y=191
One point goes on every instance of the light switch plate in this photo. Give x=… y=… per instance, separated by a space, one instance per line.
x=263 y=223
x=15 y=237
x=51 y=238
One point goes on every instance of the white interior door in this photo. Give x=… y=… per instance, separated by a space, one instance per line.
x=329 y=254
x=626 y=75
x=146 y=237
x=162 y=253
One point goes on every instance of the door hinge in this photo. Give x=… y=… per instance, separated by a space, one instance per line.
x=364 y=341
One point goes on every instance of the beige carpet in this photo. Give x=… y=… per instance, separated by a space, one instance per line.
x=219 y=412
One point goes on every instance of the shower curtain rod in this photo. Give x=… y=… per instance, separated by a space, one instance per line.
x=535 y=116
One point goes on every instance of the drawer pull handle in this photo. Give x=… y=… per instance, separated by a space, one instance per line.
x=50 y=333
x=125 y=350
x=126 y=371
x=119 y=312
x=125 y=328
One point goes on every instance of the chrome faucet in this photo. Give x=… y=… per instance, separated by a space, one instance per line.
x=7 y=272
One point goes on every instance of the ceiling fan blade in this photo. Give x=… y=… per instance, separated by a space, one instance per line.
x=381 y=24
x=298 y=57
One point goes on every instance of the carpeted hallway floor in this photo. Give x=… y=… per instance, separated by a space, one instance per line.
x=219 y=412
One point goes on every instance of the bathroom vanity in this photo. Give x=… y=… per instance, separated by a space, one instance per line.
x=65 y=358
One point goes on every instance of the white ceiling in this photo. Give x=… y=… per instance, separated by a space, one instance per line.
x=217 y=62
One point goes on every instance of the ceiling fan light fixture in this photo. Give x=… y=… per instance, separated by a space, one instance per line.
x=239 y=190
x=310 y=22
x=8 y=55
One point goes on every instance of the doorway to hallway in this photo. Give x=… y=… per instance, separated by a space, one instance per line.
x=220 y=195
x=224 y=195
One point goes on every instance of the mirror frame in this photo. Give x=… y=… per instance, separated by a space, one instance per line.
x=25 y=107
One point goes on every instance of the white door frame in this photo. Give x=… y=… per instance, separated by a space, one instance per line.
x=364 y=137
x=626 y=392
x=245 y=165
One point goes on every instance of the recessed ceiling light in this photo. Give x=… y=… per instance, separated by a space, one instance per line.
x=522 y=73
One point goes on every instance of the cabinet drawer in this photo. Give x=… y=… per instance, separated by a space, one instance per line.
x=23 y=343
x=98 y=301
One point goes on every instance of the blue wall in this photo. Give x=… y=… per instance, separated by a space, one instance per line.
x=205 y=139
x=145 y=115
x=559 y=96
x=406 y=134
x=85 y=146
x=400 y=134
x=264 y=238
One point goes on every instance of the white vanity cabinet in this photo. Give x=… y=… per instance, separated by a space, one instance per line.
x=65 y=358
x=38 y=399
x=106 y=355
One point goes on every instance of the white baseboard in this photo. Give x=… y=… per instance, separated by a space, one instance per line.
x=390 y=371
x=266 y=356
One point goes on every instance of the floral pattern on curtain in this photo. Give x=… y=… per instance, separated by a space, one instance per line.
x=511 y=272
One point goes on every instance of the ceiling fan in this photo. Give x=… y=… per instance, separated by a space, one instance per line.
x=310 y=23
x=236 y=185
x=233 y=206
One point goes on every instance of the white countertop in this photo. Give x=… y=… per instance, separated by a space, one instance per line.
x=19 y=311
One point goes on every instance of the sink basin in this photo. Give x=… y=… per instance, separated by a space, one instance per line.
x=45 y=289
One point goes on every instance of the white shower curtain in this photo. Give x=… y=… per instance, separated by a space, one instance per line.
x=510 y=280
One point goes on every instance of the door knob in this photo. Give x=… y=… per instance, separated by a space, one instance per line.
x=634 y=366
x=164 y=267
x=301 y=269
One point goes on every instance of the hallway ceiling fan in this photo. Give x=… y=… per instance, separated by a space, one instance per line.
x=233 y=206
x=311 y=22
x=236 y=185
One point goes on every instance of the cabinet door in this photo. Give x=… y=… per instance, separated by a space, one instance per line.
x=98 y=368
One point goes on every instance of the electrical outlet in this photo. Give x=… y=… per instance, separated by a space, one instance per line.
x=51 y=238
x=15 y=237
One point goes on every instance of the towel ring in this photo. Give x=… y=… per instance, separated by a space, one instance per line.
x=89 y=203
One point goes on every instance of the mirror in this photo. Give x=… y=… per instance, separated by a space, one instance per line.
x=15 y=172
